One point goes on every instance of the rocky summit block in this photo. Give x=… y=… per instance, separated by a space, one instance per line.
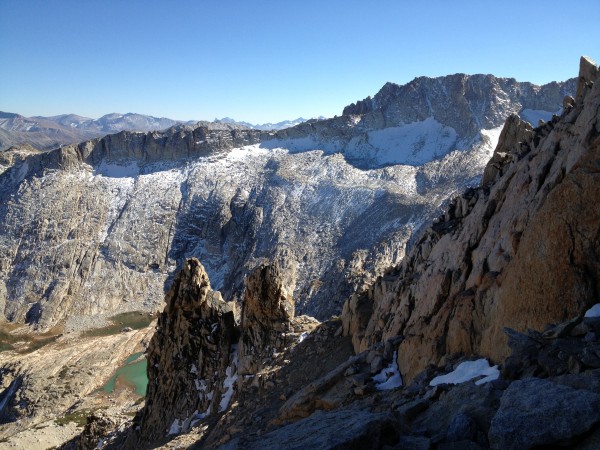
x=267 y=312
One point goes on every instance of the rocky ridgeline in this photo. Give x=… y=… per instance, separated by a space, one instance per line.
x=450 y=98
x=51 y=132
x=519 y=251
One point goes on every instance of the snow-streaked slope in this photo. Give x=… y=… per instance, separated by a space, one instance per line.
x=116 y=232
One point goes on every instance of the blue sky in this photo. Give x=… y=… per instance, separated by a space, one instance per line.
x=264 y=61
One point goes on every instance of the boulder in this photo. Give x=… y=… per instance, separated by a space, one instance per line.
x=536 y=412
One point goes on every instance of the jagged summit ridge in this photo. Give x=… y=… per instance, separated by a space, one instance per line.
x=444 y=98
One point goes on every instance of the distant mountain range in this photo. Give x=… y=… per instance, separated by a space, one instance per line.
x=268 y=126
x=50 y=132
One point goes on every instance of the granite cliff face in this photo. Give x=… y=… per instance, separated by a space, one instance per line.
x=519 y=251
x=332 y=202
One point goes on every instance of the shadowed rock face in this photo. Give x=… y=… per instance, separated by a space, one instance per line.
x=521 y=251
x=193 y=368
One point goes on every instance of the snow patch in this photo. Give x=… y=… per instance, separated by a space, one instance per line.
x=594 y=311
x=491 y=137
x=200 y=385
x=303 y=336
x=389 y=377
x=468 y=370
x=197 y=417
x=175 y=427
x=413 y=144
x=244 y=152
x=115 y=170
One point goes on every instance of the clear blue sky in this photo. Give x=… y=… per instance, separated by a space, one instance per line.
x=270 y=60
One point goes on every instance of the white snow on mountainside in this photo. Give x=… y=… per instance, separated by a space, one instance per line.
x=415 y=143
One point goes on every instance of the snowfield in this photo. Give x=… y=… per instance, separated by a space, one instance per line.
x=412 y=144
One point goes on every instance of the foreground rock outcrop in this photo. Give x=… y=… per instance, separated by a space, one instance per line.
x=549 y=398
x=190 y=356
x=519 y=251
